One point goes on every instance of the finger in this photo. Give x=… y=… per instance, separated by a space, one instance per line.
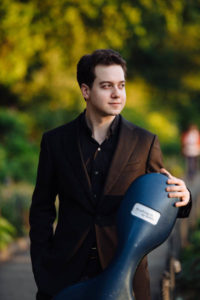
x=164 y=171
x=176 y=195
x=175 y=188
x=175 y=180
x=181 y=203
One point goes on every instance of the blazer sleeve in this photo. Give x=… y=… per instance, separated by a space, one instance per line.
x=155 y=163
x=155 y=160
x=42 y=210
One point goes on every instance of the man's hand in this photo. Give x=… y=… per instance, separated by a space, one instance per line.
x=178 y=190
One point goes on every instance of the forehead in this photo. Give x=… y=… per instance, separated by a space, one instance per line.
x=113 y=73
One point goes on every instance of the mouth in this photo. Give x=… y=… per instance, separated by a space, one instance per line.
x=115 y=103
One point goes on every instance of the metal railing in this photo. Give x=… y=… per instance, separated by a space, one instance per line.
x=164 y=261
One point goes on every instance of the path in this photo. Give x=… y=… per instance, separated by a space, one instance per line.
x=16 y=279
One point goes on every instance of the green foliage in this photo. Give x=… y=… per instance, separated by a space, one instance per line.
x=15 y=204
x=41 y=42
x=190 y=276
x=17 y=152
x=157 y=123
x=7 y=233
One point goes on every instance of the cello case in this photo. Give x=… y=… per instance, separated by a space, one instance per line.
x=144 y=221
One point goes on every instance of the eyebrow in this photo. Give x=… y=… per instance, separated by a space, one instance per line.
x=102 y=82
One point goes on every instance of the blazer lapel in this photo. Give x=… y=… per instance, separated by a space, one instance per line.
x=125 y=147
x=74 y=156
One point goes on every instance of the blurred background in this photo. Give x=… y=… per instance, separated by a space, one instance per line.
x=40 y=44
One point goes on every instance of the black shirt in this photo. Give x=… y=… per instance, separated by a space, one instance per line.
x=97 y=157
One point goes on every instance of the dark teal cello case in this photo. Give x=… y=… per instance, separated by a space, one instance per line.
x=145 y=219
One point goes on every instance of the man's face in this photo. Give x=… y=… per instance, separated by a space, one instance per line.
x=107 y=96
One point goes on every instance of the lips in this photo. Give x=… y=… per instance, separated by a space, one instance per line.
x=115 y=103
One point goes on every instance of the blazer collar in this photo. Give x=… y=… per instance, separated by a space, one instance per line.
x=125 y=147
x=74 y=155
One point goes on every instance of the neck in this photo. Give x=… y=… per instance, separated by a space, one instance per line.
x=99 y=126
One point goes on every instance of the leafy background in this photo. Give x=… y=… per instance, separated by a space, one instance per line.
x=40 y=44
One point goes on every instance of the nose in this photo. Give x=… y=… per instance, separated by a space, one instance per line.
x=115 y=92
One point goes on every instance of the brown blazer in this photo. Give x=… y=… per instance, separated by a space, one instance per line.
x=57 y=258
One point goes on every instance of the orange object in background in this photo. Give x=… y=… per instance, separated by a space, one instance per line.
x=190 y=141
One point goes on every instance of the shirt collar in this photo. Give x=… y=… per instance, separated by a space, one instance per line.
x=112 y=129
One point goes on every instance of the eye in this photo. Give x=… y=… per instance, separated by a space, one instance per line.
x=106 y=86
x=122 y=85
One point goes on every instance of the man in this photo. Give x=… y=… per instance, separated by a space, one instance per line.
x=90 y=163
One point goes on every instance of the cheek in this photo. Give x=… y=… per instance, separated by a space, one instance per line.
x=103 y=95
x=124 y=96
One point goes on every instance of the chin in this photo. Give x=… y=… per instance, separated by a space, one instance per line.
x=112 y=113
x=116 y=112
x=107 y=113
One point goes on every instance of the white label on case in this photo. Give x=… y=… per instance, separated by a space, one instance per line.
x=145 y=213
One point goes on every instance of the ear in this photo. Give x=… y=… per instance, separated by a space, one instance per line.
x=85 y=91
